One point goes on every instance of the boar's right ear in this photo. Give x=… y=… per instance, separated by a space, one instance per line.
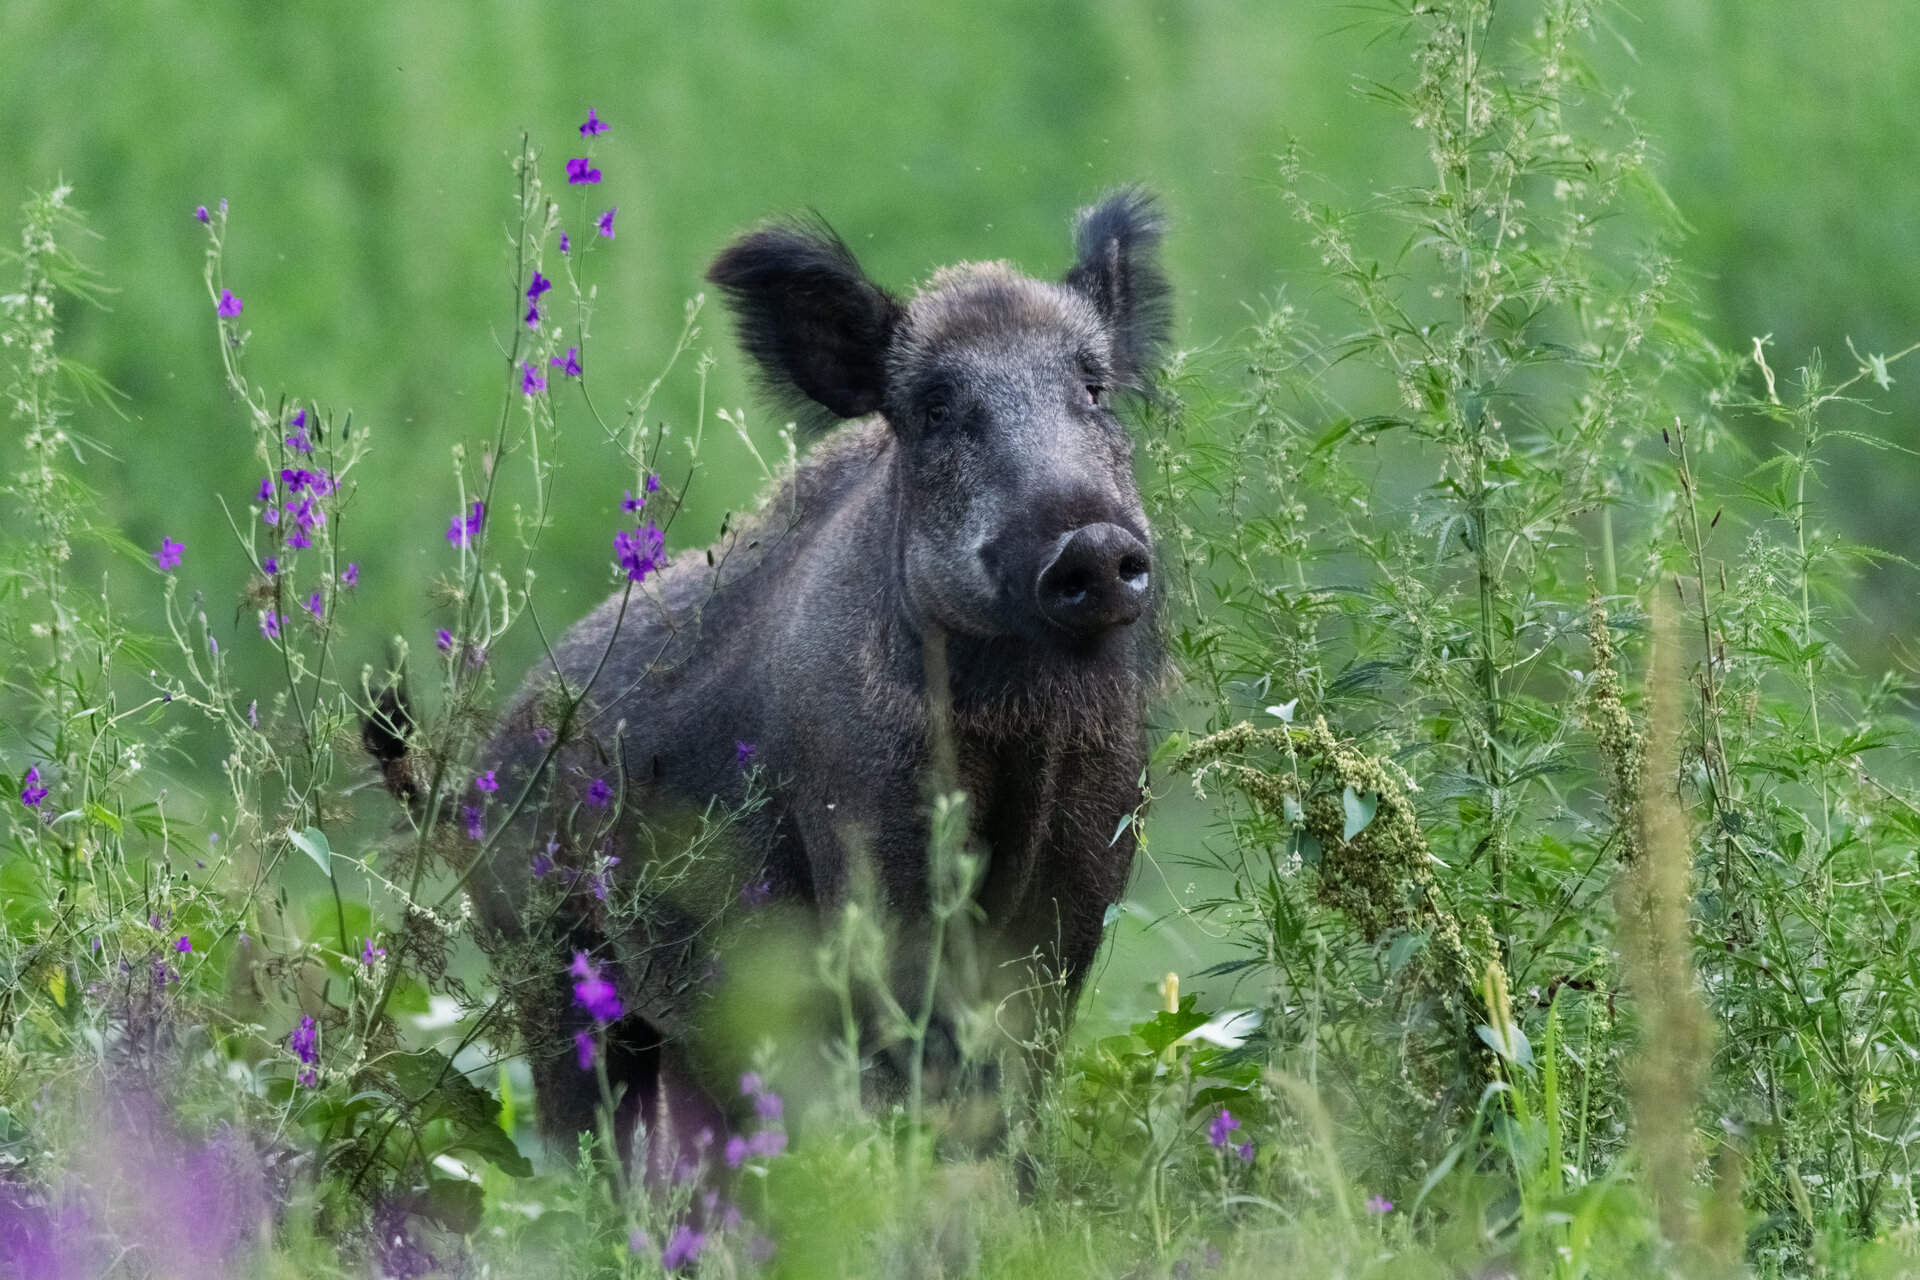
x=809 y=316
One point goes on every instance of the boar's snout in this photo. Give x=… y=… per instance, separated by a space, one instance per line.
x=1096 y=580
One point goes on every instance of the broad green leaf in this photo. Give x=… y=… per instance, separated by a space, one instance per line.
x=313 y=843
x=1359 y=810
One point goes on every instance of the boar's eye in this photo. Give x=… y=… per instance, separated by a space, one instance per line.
x=1094 y=392
x=938 y=413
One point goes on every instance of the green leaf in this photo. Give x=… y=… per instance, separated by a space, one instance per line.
x=454 y=1205
x=1164 y=1028
x=313 y=843
x=105 y=819
x=1359 y=810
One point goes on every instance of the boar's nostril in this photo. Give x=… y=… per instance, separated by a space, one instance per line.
x=1095 y=581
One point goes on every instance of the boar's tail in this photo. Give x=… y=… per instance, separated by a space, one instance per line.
x=387 y=734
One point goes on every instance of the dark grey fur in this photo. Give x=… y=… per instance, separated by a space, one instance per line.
x=986 y=506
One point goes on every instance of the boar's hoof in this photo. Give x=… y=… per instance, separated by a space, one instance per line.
x=1096 y=581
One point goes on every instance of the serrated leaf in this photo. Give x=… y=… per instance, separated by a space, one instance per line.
x=1359 y=810
x=313 y=843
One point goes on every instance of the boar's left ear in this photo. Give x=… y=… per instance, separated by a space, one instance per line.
x=809 y=316
x=1118 y=243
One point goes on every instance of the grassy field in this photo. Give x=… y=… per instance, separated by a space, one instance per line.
x=1529 y=885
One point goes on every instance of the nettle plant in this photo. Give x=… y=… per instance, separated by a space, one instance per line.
x=153 y=955
x=1415 y=544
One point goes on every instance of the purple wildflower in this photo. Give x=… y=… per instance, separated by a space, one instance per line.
x=641 y=551
x=631 y=504
x=299 y=441
x=743 y=752
x=602 y=879
x=1222 y=1128
x=1245 y=1151
x=543 y=861
x=270 y=566
x=1379 y=1204
x=594 y=126
x=475 y=828
x=297 y=538
x=533 y=316
x=265 y=493
x=213 y=646
x=350 y=576
x=586 y=1048
x=571 y=365
x=184 y=946
x=566 y=245
x=443 y=640
x=653 y=484
x=605 y=222
x=487 y=783
x=736 y=1151
x=767 y=1143
x=305 y=1041
x=201 y=215
x=270 y=624
x=599 y=793
x=581 y=171
x=271 y=515
x=768 y=1106
x=313 y=605
x=542 y=735
x=168 y=556
x=463 y=528
x=308 y=1079
x=532 y=381
x=33 y=793
x=229 y=305
x=594 y=993
x=539 y=285
x=683 y=1246
x=370 y=954
x=477 y=656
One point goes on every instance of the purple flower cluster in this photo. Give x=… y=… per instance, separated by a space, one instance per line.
x=640 y=551
x=594 y=126
x=597 y=996
x=532 y=381
x=744 y=752
x=305 y=1044
x=1220 y=1135
x=580 y=171
x=464 y=529
x=682 y=1247
x=599 y=793
x=229 y=306
x=605 y=222
x=539 y=285
x=487 y=782
x=168 y=556
x=569 y=366
x=371 y=955
x=32 y=794
x=299 y=441
x=270 y=624
x=771 y=1140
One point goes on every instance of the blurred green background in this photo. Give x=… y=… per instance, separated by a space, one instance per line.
x=363 y=147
